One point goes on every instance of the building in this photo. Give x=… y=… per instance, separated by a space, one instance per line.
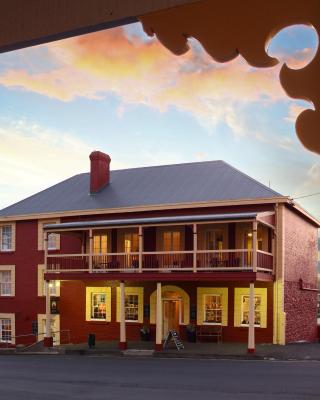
x=108 y=252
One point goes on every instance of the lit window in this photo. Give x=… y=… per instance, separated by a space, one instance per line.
x=6 y=234
x=131 y=243
x=54 y=287
x=212 y=309
x=5 y=330
x=5 y=283
x=98 y=306
x=171 y=241
x=245 y=310
x=100 y=244
x=132 y=307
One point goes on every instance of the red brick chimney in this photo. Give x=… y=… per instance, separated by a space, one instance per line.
x=99 y=171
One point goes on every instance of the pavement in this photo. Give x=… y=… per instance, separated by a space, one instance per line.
x=101 y=377
x=294 y=351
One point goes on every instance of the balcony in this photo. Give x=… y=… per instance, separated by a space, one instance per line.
x=189 y=244
x=160 y=262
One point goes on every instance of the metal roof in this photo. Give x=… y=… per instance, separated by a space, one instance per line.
x=147 y=186
x=150 y=221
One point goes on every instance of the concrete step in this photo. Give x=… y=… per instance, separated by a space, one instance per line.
x=138 y=353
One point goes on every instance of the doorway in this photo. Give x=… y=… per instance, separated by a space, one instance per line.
x=171 y=315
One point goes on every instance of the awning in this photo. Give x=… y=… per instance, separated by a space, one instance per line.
x=180 y=219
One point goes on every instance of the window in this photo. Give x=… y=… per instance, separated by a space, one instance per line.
x=52 y=241
x=5 y=330
x=54 y=286
x=6 y=238
x=245 y=310
x=131 y=307
x=214 y=240
x=98 y=306
x=171 y=241
x=131 y=243
x=5 y=283
x=100 y=244
x=98 y=303
x=212 y=309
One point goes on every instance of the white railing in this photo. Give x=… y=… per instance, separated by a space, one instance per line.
x=161 y=261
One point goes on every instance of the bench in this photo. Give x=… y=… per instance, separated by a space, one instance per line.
x=210 y=331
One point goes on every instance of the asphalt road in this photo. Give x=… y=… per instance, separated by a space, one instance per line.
x=89 y=377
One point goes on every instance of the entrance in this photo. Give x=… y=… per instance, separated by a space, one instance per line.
x=171 y=313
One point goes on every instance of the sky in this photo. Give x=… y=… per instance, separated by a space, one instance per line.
x=123 y=93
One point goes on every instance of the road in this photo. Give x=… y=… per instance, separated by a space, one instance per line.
x=89 y=377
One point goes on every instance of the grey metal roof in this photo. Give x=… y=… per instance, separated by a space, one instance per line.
x=151 y=221
x=167 y=184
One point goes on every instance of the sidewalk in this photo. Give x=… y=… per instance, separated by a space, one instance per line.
x=295 y=351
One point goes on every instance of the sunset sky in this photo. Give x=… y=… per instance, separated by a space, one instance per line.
x=121 y=92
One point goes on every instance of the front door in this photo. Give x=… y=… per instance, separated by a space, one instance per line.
x=171 y=310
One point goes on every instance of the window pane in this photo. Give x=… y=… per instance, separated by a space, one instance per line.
x=52 y=241
x=5 y=283
x=5 y=330
x=212 y=309
x=98 y=306
x=167 y=241
x=245 y=310
x=131 y=307
x=100 y=244
x=6 y=238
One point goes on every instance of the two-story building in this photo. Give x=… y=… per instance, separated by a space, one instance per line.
x=108 y=252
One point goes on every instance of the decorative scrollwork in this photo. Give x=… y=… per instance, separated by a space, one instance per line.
x=231 y=28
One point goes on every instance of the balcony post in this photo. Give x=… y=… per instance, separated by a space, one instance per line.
x=273 y=252
x=123 y=339
x=140 y=247
x=48 y=339
x=254 y=245
x=45 y=246
x=195 y=247
x=251 y=339
x=158 y=346
x=90 y=249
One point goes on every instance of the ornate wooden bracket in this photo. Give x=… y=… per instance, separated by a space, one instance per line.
x=232 y=27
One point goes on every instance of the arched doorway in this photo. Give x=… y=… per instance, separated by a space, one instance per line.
x=175 y=308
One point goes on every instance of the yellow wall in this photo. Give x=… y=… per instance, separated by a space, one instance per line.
x=238 y=293
x=132 y=290
x=184 y=297
x=223 y=292
x=279 y=316
x=107 y=291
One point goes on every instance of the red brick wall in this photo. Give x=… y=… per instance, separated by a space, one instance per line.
x=72 y=312
x=300 y=262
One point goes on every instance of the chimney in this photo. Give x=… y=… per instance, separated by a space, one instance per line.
x=99 y=171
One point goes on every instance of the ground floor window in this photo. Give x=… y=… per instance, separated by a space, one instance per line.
x=245 y=310
x=98 y=306
x=212 y=309
x=132 y=307
x=5 y=330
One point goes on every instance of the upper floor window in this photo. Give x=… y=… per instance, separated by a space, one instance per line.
x=214 y=240
x=100 y=244
x=6 y=238
x=53 y=238
x=52 y=241
x=131 y=243
x=171 y=241
x=5 y=283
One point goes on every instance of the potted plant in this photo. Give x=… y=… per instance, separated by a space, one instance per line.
x=191 y=333
x=145 y=333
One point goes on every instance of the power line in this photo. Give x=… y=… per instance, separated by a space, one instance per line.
x=307 y=195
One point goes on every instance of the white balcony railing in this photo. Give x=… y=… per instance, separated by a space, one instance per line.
x=160 y=261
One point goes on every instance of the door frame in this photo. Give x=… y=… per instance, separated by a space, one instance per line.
x=164 y=334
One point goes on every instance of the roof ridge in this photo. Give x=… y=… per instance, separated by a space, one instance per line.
x=252 y=179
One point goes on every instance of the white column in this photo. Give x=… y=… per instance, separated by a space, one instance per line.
x=251 y=339
x=273 y=251
x=123 y=340
x=45 y=246
x=90 y=249
x=159 y=318
x=195 y=247
x=48 y=341
x=140 y=247
x=254 y=246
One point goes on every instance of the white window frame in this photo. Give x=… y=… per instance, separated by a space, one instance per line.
x=100 y=249
x=41 y=223
x=11 y=269
x=204 y=322
x=241 y=316
x=11 y=317
x=13 y=233
x=54 y=286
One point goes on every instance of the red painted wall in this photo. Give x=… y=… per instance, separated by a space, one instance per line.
x=300 y=262
x=72 y=312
